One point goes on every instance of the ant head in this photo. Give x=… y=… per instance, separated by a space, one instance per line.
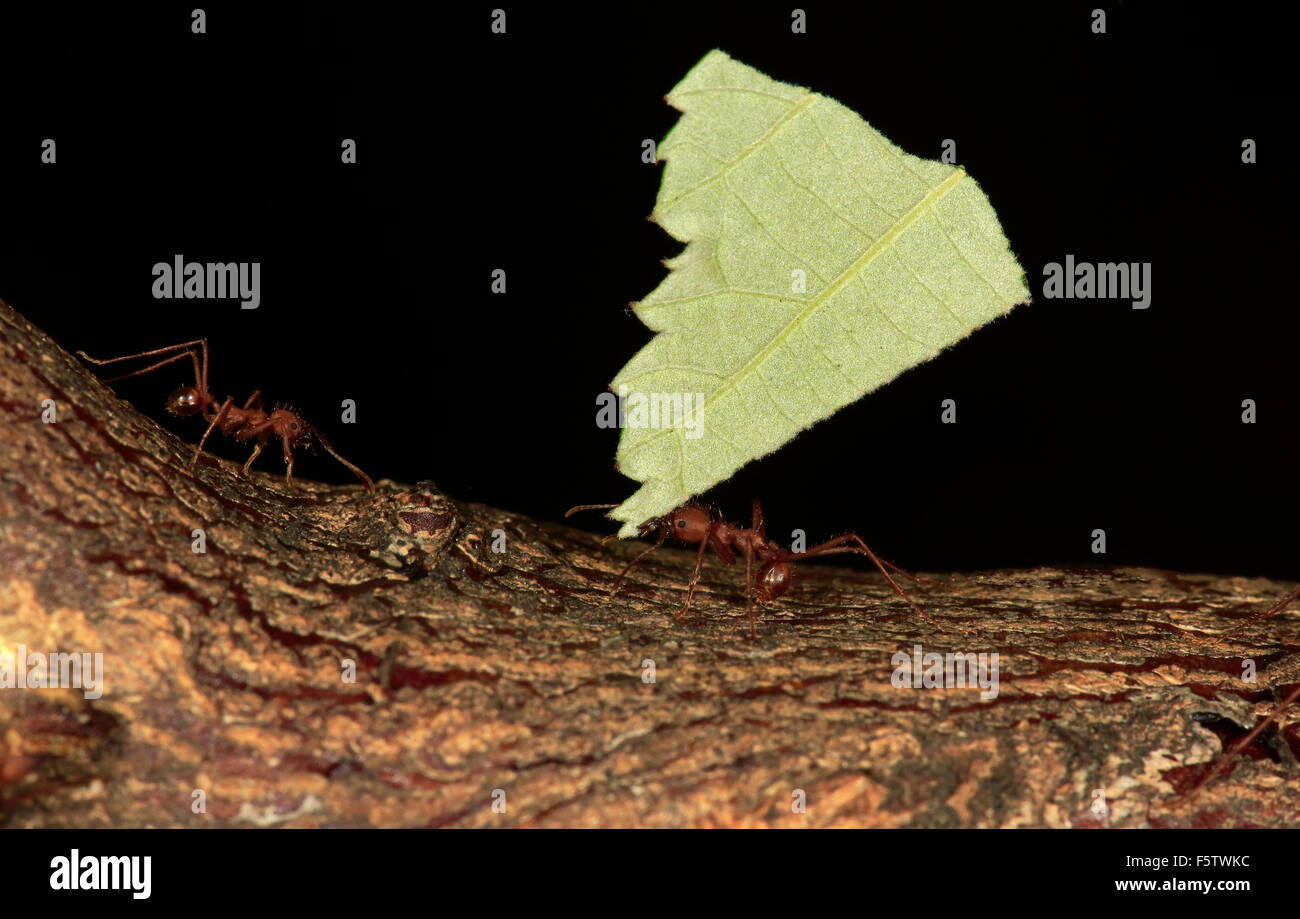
x=185 y=401
x=288 y=423
x=686 y=524
x=772 y=581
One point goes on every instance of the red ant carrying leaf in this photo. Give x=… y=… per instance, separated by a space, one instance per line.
x=693 y=524
x=251 y=422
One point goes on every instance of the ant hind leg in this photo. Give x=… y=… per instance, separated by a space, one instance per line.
x=185 y=348
x=1237 y=746
x=1260 y=616
x=824 y=549
x=837 y=546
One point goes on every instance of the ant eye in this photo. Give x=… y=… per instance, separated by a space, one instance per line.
x=681 y=524
x=294 y=426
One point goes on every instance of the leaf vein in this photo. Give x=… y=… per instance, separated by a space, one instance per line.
x=740 y=157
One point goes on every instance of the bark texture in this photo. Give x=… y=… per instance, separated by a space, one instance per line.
x=344 y=658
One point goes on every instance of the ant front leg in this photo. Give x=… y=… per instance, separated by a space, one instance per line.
x=216 y=420
x=288 y=458
x=695 y=578
x=255 y=402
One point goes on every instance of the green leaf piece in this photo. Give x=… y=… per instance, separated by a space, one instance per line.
x=768 y=184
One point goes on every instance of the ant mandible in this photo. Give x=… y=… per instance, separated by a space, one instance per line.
x=251 y=422
x=691 y=523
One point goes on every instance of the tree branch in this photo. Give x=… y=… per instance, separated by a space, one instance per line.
x=226 y=672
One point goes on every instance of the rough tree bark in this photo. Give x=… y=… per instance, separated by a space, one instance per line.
x=478 y=671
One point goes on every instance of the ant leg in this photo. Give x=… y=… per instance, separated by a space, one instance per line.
x=255 y=397
x=256 y=450
x=1238 y=745
x=216 y=419
x=185 y=347
x=894 y=568
x=821 y=548
x=757 y=526
x=288 y=458
x=143 y=371
x=1276 y=714
x=1281 y=604
x=863 y=549
x=695 y=579
x=721 y=548
x=749 y=577
x=1260 y=617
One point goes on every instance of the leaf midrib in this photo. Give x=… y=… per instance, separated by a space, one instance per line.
x=932 y=197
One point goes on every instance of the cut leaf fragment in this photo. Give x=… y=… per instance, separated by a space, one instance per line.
x=821 y=262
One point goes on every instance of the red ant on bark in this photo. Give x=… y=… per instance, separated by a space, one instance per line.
x=693 y=524
x=251 y=422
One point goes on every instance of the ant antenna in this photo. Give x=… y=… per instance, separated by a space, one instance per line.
x=663 y=533
x=587 y=507
x=632 y=564
x=370 y=486
x=592 y=507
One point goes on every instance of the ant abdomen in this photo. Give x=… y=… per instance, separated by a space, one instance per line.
x=185 y=401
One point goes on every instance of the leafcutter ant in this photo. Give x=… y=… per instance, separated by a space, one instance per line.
x=691 y=523
x=249 y=422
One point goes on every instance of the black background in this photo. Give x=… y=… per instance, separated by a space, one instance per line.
x=523 y=152
x=366 y=867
